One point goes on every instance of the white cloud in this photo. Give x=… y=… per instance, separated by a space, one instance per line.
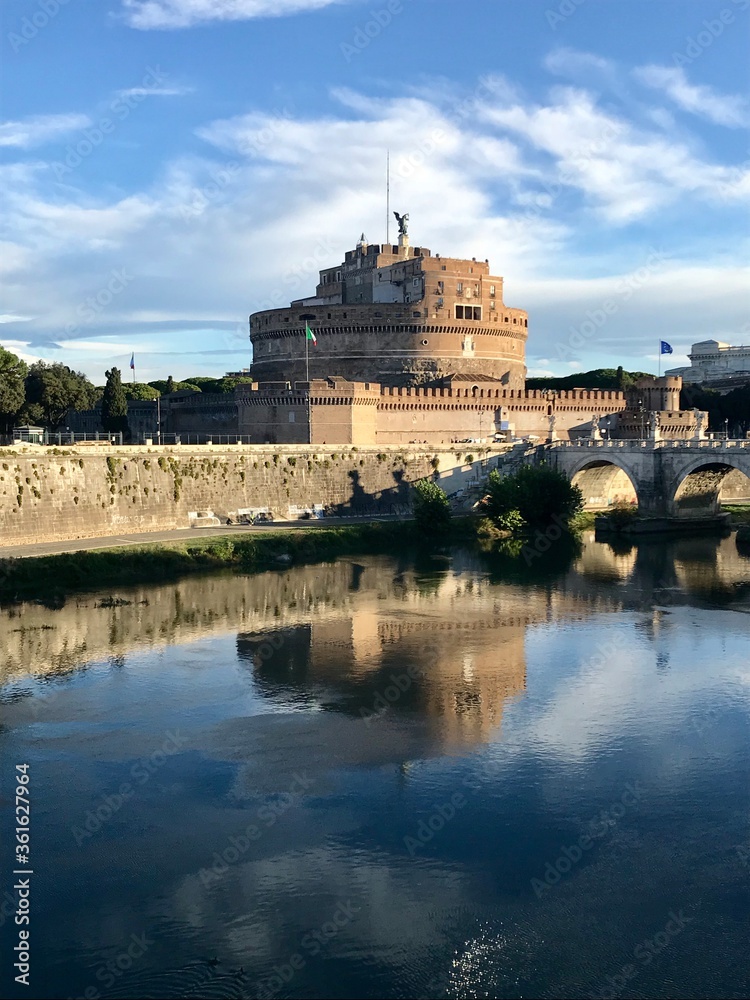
x=155 y=92
x=146 y=14
x=722 y=109
x=571 y=62
x=40 y=129
x=625 y=172
x=276 y=197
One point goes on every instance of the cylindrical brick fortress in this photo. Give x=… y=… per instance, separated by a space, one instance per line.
x=386 y=343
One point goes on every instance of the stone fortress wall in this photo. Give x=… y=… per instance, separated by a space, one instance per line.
x=49 y=494
x=360 y=413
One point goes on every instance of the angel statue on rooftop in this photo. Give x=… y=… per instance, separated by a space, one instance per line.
x=402 y=221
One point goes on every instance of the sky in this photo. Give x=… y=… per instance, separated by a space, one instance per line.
x=170 y=166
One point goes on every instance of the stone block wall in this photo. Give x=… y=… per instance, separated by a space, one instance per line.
x=54 y=494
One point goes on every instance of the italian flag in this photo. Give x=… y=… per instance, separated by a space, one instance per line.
x=309 y=335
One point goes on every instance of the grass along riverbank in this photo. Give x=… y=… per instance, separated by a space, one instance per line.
x=51 y=578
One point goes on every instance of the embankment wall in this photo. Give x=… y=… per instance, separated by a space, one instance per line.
x=84 y=492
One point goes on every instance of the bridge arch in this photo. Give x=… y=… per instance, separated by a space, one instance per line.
x=604 y=481
x=696 y=489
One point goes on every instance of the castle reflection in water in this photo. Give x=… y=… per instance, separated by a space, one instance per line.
x=444 y=638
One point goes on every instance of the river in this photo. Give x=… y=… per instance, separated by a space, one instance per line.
x=459 y=776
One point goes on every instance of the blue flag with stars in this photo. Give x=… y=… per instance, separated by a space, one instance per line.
x=665 y=347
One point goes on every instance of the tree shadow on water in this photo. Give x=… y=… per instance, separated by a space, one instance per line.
x=520 y=559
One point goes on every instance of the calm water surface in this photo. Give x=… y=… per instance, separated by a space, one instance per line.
x=460 y=777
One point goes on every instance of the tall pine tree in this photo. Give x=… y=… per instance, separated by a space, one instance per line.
x=114 y=404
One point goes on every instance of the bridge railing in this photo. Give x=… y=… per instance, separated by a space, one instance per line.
x=630 y=444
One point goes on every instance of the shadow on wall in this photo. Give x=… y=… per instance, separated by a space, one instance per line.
x=396 y=500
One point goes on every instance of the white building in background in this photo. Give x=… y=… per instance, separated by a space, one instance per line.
x=715 y=361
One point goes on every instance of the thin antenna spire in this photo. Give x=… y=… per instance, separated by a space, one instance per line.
x=388 y=196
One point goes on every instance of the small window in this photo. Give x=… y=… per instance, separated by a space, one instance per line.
x=477 y=312
x=459 y=312
x=329 y=315
x=292 y=416
x=493 y=305
x=515 y=320
x=439 y=303
x=525 y=322
x=492 y=289
x=415 y=282
x=442 y=267
x=441 y=286
x=459 y=287
x=424 y=343
x=417 y=313
x=471 y=270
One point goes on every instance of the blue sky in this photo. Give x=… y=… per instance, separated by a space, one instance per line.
x=170 y=166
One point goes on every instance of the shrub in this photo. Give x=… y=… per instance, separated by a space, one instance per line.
x=537 y=493
x=621 y=514
x=432 y=511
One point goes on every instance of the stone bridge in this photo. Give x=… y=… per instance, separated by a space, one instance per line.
x=668 y=479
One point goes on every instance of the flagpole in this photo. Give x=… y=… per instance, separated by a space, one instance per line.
x=660 y=359
x=307 y=375
x=388 y=197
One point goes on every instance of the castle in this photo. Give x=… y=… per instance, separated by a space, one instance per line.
x=409 y=347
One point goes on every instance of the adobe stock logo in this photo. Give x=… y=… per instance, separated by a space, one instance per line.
x=34 y=23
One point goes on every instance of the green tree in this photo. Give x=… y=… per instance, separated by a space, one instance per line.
x=169 y=385
x=597 y=378
x=230 y=382
x=139 y=390
x=432 y=510
x=13 y=373
x=538 y=493
x=52 y=390
x=114 y=403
